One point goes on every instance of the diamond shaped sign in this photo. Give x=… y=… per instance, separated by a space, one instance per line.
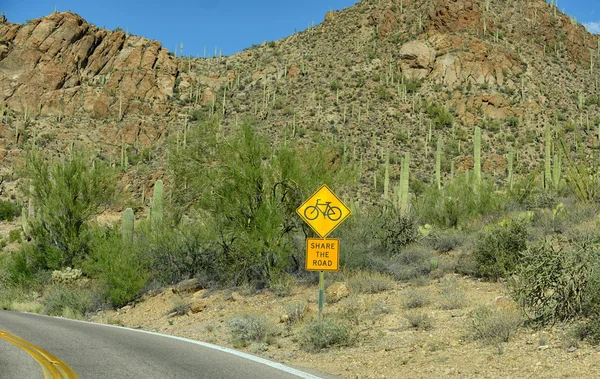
x=323 y=211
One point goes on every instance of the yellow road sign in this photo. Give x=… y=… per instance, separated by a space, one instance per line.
x=322 y=254
x=323 y=211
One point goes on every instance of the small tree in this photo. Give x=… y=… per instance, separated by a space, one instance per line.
x=252 y=196
x=66 y=195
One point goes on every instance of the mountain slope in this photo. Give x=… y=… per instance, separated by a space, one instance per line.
x=376 y=77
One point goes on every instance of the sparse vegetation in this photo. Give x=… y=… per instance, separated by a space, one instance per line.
x=415 y=298
x=322 y=333
x=246 y=329
x=493 y=324
x=419 y=320
x=369 y=282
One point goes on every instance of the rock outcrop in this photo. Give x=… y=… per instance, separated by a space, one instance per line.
x=61 y=65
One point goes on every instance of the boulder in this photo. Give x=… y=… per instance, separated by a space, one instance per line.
x=337 y=291
x=416 y=59
x=198 y=306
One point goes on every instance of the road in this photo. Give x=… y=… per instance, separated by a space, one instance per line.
x=104 y=351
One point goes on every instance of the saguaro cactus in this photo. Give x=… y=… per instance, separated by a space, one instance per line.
x=477 y=157
x=556 y=170
x=386 y=179
x=438 y=164
x=547 y=170
x=404 y=184
x=510 y=167
x=156 y=209
x=127 y=226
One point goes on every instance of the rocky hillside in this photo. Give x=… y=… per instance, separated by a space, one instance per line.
x=383 y=75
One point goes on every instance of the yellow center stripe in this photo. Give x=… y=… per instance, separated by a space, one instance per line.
x=52 y=367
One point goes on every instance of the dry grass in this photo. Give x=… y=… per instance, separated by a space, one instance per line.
x=370 y=282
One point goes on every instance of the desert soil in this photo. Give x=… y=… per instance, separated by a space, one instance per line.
x=386 y=346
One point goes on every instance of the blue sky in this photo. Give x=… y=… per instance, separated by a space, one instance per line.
x=228 y=25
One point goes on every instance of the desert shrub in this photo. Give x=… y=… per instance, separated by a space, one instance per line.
x=414 y=298
x=180 y=307
x=383 y=93
x=412 y=262
x=419 y=320
x=325 y=332
x=248 y=328
x=59 y=298
x=552 y=280
x=19 y=269
x=10 y=294
x=370 y=282
x=446 y=240
x=8 y=210
x=581 y=175
x=253 y=196
x=396 y=230
x=458 y=203
x=363 y=248
x=452 y=299
x=282 y=285
x=498 y=250
x=29 y=306
x=66 y=196
x=117 y=265
x=352 y=309
x=14 y=236
x=440 y=115
x=295 y=312
x=493 y=324
x=180 y=250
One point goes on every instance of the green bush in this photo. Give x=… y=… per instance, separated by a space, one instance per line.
x=117 y=265
x=8 y=210
x=458 y=203
x=325 y=332
x=19 y=270
x=248 y=328
x=555 y=281
x=180 y=250
x=498 y=250
x=14 y=236
x=442 y=118
x=66 y=195
x=395 y=231
x=252 y=200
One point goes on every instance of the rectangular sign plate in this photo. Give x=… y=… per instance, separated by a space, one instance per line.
x=322 y=254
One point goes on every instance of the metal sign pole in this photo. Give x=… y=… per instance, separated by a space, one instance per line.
x=321 y=292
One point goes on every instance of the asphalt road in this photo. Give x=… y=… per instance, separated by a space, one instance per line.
x=102 y=351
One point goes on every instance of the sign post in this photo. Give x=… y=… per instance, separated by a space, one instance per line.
x=323 y=212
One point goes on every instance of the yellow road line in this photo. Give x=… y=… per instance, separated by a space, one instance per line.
x=52 y=367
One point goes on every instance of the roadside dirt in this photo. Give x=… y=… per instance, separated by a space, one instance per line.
x=386 y=345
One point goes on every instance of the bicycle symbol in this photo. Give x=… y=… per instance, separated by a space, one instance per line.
x=333 y=213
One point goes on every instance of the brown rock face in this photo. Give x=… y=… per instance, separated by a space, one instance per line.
x=60 y=64
x=384 y=20
x=416 y=59
x=478 y=63
x=454 y=15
